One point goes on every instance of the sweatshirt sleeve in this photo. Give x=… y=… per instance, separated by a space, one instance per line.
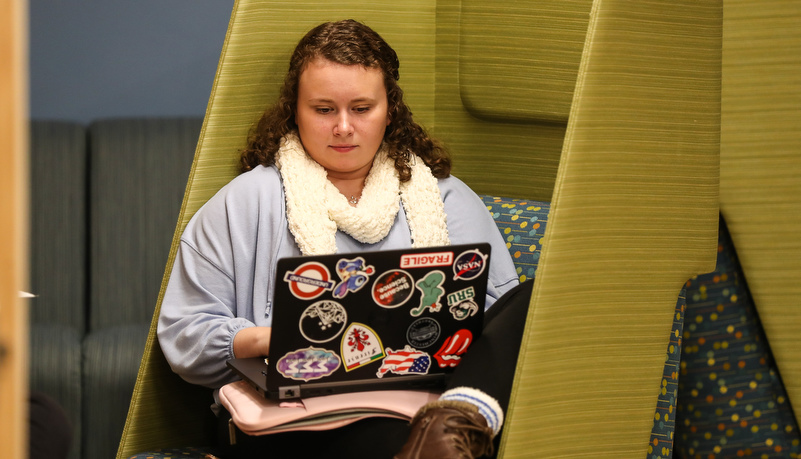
x=210 y=294
x=469 y=221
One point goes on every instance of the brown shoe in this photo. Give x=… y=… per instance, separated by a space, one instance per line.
x=448 y=429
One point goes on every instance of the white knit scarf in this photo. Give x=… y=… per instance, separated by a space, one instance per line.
x=315 y=208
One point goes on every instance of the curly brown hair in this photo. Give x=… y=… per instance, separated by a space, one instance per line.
x=346 y=42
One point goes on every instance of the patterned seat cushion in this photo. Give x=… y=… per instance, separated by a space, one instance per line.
x=732 y=402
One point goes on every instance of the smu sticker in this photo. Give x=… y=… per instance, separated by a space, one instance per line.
x=360 y=346
x=406 y=361
x=469 y=265
x=307 y=364
x=323 y=321
x=393 y=288
x=461 y=303
x=450 y=354
x=431 y=288
x=354 y=274
x=420 y=260
x=309 y=280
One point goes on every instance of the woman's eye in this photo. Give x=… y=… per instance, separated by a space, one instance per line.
x=323 y=110
x=361 y=109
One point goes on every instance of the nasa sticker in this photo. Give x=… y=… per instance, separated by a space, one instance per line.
x=393 y=288
x=307 y=364
x=423 y=332
x=360 y=346
x=469 y=265
x=323 y=321
x=309 y=280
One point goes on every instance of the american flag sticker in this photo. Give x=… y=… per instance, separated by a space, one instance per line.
x=406 y=361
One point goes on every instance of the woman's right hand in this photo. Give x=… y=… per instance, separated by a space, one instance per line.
x=252 y=342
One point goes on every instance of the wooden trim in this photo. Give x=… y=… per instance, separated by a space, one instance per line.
x=13 y=227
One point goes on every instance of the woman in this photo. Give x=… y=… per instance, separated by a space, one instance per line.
x=337 y=165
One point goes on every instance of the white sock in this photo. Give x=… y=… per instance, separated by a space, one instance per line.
x=487 y=406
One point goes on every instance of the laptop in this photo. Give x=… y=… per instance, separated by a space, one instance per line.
x=384 y=320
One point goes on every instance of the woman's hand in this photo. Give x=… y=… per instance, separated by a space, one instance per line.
x=252 y=342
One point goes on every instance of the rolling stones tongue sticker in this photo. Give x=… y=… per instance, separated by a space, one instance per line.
x=360 y=346
x=393 y=288
x=307 y=364
x=354 y=274
x=469 y=265
x=323 y=321
x=431 y=288
x=450 y=354
x=309 y=280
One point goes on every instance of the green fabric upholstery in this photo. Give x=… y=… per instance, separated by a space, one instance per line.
x=135 y=198
x=58 y=264
x=632 y=180
x=138 y=167
x=760 y=164
x=731 y=399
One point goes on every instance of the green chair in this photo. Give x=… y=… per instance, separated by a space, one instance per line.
x=609 y=110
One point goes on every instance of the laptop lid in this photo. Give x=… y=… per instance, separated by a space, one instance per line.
x=397 y=319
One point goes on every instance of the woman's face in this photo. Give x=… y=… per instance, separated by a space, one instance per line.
x=341 y=116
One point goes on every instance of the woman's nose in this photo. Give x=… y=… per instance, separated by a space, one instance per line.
x=343 y=126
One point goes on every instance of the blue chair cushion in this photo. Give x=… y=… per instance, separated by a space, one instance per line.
x=732 y=402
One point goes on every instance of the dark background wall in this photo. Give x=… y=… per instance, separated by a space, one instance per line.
x=93 y=59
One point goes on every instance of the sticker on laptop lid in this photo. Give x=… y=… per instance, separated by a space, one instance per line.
x=462 y=304
x=354 y=274
x=360 y=346
x=423 y=332
x=309 y=280
x=406 y=361
x=469 y=265
x=423 y=260
x=431 y=288
x=393 y=288
x=450 y=354
x=308 y=364
x=323 y=321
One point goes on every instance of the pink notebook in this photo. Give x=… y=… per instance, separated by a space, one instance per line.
x=257 y=415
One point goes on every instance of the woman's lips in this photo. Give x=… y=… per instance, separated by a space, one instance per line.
x=343 y=148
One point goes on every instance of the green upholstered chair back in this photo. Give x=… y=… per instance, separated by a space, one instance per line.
x=608 y=109
x=760 y=164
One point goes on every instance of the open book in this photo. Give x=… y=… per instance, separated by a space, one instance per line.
x=257 y=415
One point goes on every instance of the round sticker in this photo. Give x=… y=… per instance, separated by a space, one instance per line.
x=469 y=265
x=393 y=288
x=309 y=280
x=323 y=321
x=423 y=332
